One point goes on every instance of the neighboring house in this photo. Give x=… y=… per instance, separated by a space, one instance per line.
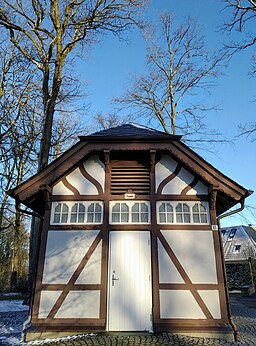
x=239 y=247
x=239 y=243
x=129 y=238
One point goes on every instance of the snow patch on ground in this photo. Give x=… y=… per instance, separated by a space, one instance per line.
x=15 y=341
x=12 y=305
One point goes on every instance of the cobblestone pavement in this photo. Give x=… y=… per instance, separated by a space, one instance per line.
x=243 y=311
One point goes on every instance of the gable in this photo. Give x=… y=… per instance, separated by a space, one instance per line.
x=76 y=171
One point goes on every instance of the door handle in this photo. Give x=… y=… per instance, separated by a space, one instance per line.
x=114 y=279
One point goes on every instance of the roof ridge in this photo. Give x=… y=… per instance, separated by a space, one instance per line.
x=145 y=127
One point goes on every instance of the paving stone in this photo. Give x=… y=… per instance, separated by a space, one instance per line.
x=243 y=312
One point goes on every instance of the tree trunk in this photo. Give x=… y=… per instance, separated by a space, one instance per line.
x=16 y=251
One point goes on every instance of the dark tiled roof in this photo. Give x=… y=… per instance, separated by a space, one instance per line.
x=130 y=130
x=243 y=236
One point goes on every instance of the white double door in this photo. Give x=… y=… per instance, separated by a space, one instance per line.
x=130 y=288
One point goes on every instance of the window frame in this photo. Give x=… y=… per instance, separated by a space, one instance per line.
x=130 y=204
x=191 y=204
x=237 y=248
x=70 y=205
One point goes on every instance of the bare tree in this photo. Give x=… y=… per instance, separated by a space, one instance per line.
x=179 y=71
x=51 y=30
x=241 y=27
x=105 y=121
x=242 y=20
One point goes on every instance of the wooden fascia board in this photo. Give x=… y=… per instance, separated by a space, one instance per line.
x=207 y=171
x=45 y=176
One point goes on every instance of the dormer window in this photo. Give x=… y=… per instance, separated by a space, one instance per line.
x=232 y=234
x=237 y=248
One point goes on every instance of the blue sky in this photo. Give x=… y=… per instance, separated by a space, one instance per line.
x=110 y=63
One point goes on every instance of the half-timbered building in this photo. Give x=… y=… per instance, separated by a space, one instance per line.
x=130 y=238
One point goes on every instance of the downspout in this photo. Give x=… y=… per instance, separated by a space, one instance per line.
x=220 y=217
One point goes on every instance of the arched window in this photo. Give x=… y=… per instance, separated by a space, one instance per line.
x=140 y=213
x=199 y=213
x=94 y=213
x=60 y=213
x=183 y=213
x=77 y=213
x=165 y=213
x=120 y=213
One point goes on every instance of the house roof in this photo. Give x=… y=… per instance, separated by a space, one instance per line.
x=126 y=138
x=239 y=242
x=128 y=131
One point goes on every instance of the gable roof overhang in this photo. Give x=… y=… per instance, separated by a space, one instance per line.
x=123 y=138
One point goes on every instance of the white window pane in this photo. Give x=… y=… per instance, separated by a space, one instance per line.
x=196 y=218
x=115 y=217
x=74 y=208
x=195 y=208
x=144 y=208
x=124 y=217
x=135 y=207
x=58 y=208
x=162 y=218
x=56 y=218
x=179 y=217
x=204 y=218
x=144 y=217
x=124 y=208
x=98 y=208
x=186 y=207
x=90 y=217
x=65 y=208
x=179 y=207
x=116 y=208
x=186 y=218
x=202 y=208
x=81 y=217
x=162 y=208
x=135 y=217
x=98 y=217
x=169 y=207
x=81 y=208
x=170 y=218
x=64 y=218
x=73 y=218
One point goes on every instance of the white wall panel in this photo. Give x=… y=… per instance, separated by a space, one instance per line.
x=179 y=304
x=91 y=274
x=168 y=273
x=96 y=169
x=212 y=301
x=83 y=185
x=164 y=168
x=80 y=304
x=64 y=252
x=195 y=251
x=176 y=185
x=61 y=189
x=47 y=300
x=199 y=189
